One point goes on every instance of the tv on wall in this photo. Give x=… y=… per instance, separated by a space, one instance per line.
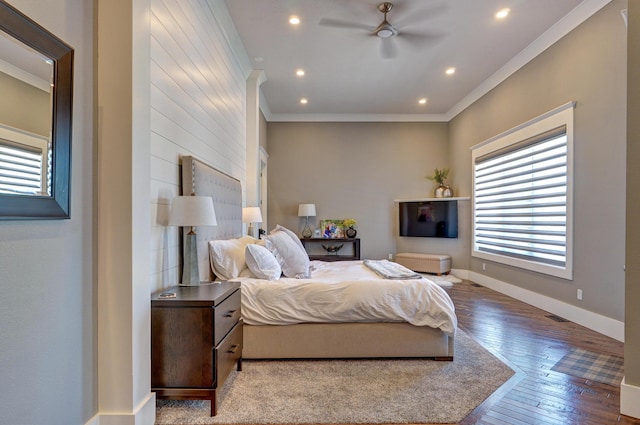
x=429 y=219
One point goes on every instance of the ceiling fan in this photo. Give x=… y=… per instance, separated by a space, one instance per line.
x=385 y=30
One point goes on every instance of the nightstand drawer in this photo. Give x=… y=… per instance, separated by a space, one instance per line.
x=228 y=353
x=226 y=315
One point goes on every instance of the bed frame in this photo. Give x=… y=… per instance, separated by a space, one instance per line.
x=308 y=340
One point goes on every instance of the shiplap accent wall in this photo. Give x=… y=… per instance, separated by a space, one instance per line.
x=198 y=107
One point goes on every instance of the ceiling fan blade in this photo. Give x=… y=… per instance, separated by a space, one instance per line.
x=422 y=39
x=388 y=48
x=419 y=16
x=336 y=23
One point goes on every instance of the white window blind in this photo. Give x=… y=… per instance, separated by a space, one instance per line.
x=522 y=199
x=20 y=168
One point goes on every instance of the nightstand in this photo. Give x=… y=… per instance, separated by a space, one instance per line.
x=349 y=251
x=196 y=339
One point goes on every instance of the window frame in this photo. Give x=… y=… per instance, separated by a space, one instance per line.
x=558 y=117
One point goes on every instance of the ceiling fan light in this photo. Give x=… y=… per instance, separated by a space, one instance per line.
x=386 y=30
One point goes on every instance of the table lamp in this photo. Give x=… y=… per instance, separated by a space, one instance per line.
x=306 y=210
x=251 y=215
x=191 y=211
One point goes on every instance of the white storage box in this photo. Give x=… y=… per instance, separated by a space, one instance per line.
x=426 y=263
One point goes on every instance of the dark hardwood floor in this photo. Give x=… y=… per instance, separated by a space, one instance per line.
x=531 y=342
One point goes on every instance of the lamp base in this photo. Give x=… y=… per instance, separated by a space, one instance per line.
x=306 y=232
x=190 y=272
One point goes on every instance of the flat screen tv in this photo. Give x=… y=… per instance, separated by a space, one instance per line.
x=429 y=219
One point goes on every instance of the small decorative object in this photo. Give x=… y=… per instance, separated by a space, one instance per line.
x=332 y=229
x=349 y=230
x=332 y=249
x=440 y=177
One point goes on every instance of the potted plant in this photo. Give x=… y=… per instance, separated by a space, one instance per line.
x=348 y=224
x=440 y=177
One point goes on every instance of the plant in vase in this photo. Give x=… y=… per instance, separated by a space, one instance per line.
x=440 y=177
x=350 y=231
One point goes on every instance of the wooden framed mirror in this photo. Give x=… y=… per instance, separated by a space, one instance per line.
x=35 y=120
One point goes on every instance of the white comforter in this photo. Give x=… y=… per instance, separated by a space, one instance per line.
x=346 y=291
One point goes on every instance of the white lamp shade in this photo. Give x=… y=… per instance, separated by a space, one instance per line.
x=307 y=210
x=192 y=211
x=251 y=215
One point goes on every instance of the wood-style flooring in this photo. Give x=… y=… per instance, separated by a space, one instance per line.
x=531 y=342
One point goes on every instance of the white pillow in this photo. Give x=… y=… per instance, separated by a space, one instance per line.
x=262 y=263
x=291 y=234
x=292 y=258
x=227 y=256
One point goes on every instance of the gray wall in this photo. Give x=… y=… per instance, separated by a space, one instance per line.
x=632 y=312
x=587 y=66
x=352 y=170
x=48 y=336
x=24 y=106
x=358 y=169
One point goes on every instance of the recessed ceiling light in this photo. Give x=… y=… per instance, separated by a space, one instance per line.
x=258 y=59
x=450 y=71
x=294 y=20
x=300 y=72
x=423 y=101
x=502 y=13
x=304 y=101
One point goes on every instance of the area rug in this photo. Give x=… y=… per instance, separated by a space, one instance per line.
x=603 y=368
x=350 y=391
x=443 y=280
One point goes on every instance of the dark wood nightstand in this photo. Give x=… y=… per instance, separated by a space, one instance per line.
x=350 y=248
x=196 y=339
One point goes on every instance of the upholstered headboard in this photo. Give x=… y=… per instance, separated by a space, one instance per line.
x=201 y=179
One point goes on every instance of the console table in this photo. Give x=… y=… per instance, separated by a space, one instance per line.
x=196 y=339
x=350 y=248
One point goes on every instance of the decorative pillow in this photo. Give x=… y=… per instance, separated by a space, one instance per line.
x=292 y=258
x=262 y=263
x=292 y=235
x=227 y=256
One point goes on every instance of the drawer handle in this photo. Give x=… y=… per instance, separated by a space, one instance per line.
x=230 y=313
x=233 y=349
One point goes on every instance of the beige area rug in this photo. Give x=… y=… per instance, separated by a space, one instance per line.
x=444 y=280
x=350 y=391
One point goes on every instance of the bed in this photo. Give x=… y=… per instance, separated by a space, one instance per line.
x=314 y=335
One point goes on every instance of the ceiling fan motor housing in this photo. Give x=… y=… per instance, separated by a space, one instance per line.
x=385 y=29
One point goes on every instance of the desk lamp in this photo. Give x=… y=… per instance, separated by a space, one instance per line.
x=306 y=210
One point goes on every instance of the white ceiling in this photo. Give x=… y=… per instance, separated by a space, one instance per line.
x=349 y=77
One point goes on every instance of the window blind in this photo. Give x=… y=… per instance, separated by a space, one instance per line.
x=521 y=200
x=20 y=168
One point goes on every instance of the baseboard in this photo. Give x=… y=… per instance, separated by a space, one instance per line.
x=601 y=324
x=144 y=414
x=461 y=274
x=629 y=396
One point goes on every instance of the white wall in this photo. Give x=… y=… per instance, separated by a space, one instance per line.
x=47 y=310
x=198 y=107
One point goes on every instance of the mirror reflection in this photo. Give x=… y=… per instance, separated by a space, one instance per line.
x=26 y=78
